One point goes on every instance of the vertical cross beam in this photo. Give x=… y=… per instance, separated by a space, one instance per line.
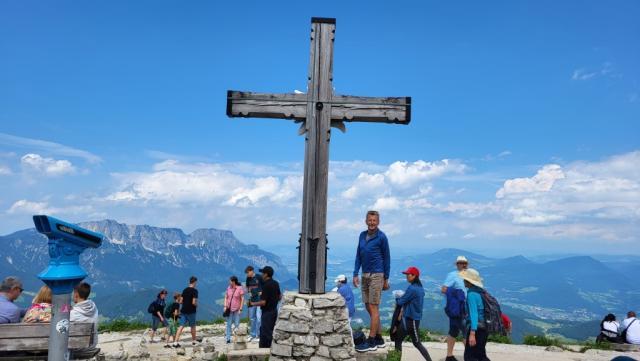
x=313 y=238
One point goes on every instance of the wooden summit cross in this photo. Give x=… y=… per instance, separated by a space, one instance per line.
x=318 y=110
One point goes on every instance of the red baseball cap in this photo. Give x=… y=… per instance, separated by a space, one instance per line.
x=412 y=271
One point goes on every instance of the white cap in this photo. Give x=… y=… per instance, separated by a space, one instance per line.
x=341 y=278
x=461 y=259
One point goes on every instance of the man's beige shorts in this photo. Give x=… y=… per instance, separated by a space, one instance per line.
x=372 y=284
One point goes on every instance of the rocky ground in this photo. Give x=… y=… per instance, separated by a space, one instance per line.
x=135 y=345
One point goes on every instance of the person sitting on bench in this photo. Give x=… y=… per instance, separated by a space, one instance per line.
x=84 y=309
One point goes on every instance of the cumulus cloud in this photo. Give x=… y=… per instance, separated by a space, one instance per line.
x=175 y=182
x=405 y=174
x=386 y=204
x=366 y=184
x=541 y=182
x=47 y=166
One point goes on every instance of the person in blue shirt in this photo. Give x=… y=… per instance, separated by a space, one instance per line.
x=372 y=255
x=10 y=290
x=345 y=291
x=411 y=303
x=475 y=347
x=456 y=324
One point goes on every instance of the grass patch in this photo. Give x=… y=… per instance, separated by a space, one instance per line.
x=541 y=340
x=121 y=324
x=217 y=321
x=595 y=346
x=499 y=339
x=394 y=355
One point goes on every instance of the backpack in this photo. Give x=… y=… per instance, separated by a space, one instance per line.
x=456 y=304
x=492 y=315
x=168 y=311
x=152 y=308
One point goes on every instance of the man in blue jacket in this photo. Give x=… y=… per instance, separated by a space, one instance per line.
x=374 y=258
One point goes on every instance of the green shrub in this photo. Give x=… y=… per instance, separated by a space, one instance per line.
x=121 y=324
x=222 y=357
x=394 y=355
x=536 y=340
x=499 y=339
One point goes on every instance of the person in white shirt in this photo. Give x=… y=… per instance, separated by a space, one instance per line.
x=630 y=329
x=609 y=329
x=84 y=309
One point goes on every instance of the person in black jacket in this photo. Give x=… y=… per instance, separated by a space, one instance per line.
x=157 y=316
x=411 y=314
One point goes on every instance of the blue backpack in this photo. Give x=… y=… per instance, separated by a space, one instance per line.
x=456 y=304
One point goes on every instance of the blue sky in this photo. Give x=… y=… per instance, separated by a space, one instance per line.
x=525 y=132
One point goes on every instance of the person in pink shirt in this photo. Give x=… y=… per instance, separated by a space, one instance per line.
x=233 y=301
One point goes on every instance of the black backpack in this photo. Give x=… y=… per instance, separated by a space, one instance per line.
x=152 y=308
x=492 y=315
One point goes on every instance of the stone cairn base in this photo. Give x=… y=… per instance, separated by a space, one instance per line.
x=240 y=338
x=313 y=328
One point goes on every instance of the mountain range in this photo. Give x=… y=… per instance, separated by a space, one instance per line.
x=564 y=296
x=136 y=261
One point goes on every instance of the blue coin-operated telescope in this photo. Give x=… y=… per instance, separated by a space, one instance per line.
x=66 y=243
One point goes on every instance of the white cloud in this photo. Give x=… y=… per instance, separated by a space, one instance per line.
x=4 y=170
x=49 y=147
x=438 y=235
x=586 y=74
x=24 y=206
x=174 y=182
x=405 y=174
x=541 y=182
x=386 y=203
x=46 y=166
x=365 y=185
x=469 y=236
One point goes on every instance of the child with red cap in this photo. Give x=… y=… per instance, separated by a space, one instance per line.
x=411 y=303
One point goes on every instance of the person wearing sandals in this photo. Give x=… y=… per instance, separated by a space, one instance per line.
x=233 y=300
x=476 y=340
x=411 y=302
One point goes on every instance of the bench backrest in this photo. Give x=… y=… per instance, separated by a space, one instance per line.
x=35 y=336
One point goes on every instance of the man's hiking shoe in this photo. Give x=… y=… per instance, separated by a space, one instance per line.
x=364 y=347
x=451 y=358
x=380 y=343
x=176 y=345
x=167 y=346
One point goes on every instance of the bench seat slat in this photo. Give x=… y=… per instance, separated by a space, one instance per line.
x=36 y=330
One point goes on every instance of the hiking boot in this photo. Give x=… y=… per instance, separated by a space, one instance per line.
x=176 y=345
x=379 y=341
x=451 y=358
x=365 y=346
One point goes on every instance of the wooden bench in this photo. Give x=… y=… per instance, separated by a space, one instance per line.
x=30 y=341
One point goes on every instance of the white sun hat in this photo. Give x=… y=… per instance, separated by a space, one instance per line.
x=461 y=259
x=472 y=276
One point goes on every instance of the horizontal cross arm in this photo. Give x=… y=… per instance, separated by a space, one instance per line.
x=266 y=105
x=371 y=109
